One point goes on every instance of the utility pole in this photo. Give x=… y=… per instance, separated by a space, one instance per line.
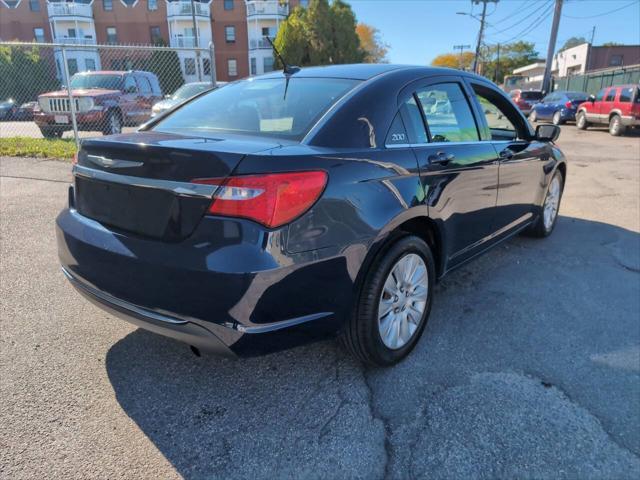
x=587 y=67
x=462 y=48
x=546 y=79
x=195 y=38
x=482 y=22
x=497 y=72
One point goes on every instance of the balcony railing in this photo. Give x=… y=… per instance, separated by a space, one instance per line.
x=183 y=8
x=75 y=40
x=183 y=42
x=257 y=43
x=268 y=7
x=64 y=9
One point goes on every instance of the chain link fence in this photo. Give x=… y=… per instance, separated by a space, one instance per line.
x=75 y=90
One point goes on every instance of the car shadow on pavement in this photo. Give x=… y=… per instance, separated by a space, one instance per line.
x=555 y=313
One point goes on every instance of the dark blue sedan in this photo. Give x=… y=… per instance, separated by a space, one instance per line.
x=559 y=107
x=288 y=207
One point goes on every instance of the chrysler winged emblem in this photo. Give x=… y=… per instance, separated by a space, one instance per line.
x=112 y=162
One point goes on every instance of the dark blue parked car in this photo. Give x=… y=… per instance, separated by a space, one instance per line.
x=559 y=107
x=287 y=207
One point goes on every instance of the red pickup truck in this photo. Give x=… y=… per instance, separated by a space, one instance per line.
x=617 y=106
x=105 y=101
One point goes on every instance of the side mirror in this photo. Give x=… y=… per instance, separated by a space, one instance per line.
x=592 y=98
x=547 y=133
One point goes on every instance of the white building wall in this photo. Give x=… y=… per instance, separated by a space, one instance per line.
x=572 y=61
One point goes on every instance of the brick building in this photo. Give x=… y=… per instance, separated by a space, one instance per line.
x=237 y=29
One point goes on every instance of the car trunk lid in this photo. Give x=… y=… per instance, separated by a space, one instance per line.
x=141 y=183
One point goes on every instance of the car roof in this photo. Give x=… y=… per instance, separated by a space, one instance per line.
x=362 y=71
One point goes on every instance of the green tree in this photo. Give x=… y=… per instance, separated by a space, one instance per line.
x=573 y=42
x=321 y=34
x=512 y=55
x=166 y=65
x=25 y=74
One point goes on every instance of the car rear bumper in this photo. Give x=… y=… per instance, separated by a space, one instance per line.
x=630 y=121
x=245 y=295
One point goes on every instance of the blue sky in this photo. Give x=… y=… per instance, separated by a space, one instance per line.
x=418 y=30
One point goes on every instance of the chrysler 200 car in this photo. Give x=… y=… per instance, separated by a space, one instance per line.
x=292 y=206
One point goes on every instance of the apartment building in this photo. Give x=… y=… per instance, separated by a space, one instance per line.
x=236 y=29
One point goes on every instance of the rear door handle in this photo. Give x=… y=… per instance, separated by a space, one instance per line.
x=441 y=157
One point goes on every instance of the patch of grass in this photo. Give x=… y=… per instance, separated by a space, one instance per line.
x=62 y=149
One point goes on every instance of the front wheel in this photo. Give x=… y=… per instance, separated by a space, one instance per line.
x=394 y=304
x=581 y=121
x=546 y=221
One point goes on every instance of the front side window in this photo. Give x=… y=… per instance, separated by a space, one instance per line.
x=130 y=85
x=600 y=95
x=447 y=112
x=230 y=34
x=144 y=85
x=232 y=67
x=611 y=95
x=264 y=107
x=38 y=35
x=495 y=114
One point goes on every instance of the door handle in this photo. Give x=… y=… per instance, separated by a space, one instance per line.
x=441 y=157
x=506 y=154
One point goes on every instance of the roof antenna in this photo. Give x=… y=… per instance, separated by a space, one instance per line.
x=288 y=69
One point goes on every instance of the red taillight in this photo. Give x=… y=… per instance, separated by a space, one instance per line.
x=568 y=105
x=272 y=199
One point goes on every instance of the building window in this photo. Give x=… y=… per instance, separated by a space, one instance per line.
x=206 y=66
x=38 y=35
x=265 y=31
x=72 y=63
x=230 y=34
x=268 y=64
x=189 y=66
x=34 y=5
x=228 y=4
x=107 y=5
x=253 y=66
x=90 y=64
x=112 y=35
x=156 y=36
x=71 y=33
x=129 y=3
x=232 y=67
x=152 y=5
x=615 y=61
x=11 y=3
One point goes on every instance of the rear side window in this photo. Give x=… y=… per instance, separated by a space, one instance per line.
x=130 y=84
x=448 y=114
x=611 y=95
x=531 y=95
x=414 y=122
x=626 y=94
x=397 y=134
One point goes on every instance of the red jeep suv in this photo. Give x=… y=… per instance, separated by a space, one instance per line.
x=104 y=102
x=617 y=106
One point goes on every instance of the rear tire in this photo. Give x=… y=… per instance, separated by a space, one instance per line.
x=581 y=121
x=615 y=126
x=383 y=338
x=51 y=133
x=557 y=119
x=548 y=216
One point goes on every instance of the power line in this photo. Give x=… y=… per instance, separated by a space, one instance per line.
x=538 y=20
x=523 y=19
x=518 y=11
x=635 y=2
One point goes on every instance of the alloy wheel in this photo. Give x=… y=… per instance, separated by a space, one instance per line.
x=403 y=301
x=551 y=203
x=115 y=125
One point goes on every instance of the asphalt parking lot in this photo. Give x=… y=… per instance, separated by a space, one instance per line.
x=529 y=367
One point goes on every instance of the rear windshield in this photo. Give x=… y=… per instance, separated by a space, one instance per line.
x=109 y=82
x=265 y=107
x=531 y=95
x=577 y=96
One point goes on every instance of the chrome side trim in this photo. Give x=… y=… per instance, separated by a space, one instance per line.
x=271 y=327
x=184 y=189
x=110 y=300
